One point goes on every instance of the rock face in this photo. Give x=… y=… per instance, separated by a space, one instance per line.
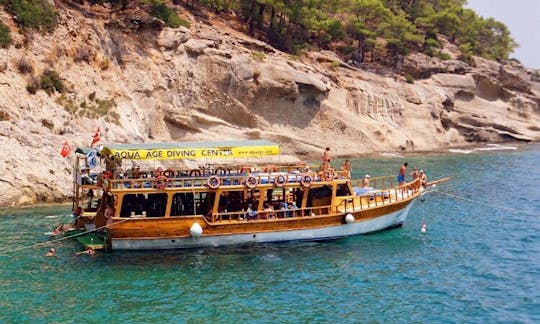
x=210 y=82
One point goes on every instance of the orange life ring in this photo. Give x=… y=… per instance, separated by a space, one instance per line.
x=329 y=175
x=195 y=173
x=220 y=171
x=251 y=182
x=280 y=181
x=213 y=182
x=306 y=180
x=161 y=182
x=168 y=173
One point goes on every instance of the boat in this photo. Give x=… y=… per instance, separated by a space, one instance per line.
x=153 y=196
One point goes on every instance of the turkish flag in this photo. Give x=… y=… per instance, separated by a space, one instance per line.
x=66 y=149
x=96 y=138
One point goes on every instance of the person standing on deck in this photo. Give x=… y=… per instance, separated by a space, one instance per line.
x=326 y=159
x=347 y=167
x=402 y=173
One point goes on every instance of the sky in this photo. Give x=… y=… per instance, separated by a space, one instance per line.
x=522 y=17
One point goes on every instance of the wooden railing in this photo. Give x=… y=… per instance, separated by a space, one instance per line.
x=181 y=180
x=270 y=215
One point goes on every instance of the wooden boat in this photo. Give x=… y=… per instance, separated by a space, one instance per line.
x=169 y=207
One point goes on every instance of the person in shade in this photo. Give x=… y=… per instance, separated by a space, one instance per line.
x=402 y=173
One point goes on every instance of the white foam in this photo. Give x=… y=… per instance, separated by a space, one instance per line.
x=391 y=154
x=460 y=151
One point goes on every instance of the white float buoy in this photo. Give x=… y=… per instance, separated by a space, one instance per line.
x=424 y=228
x=349 y=219
x=195 y=230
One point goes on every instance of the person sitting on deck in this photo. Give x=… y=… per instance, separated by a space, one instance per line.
x=284 y=210
x=292 y=208
x=268 y=212
x=251 y=214
x=365 y=181
x=423 y=178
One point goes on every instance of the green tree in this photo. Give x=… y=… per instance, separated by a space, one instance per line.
x=401 y=35
x=364 y=23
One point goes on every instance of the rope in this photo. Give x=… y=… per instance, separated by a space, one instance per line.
x=62 y=238
x=485 y=204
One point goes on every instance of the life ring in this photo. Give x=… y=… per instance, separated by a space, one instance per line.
x=220 y=171
x=195 y=173
x=161 y=182
x=270 y=168
x=251 y=182
x=329 y=175
x=245 y=170
x=168 y=173
x=213 y=182
x=280 y=181
x=306 y=180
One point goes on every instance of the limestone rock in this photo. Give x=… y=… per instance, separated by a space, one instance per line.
x=170 y=38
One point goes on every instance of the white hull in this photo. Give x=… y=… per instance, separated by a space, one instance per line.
x=394 y=219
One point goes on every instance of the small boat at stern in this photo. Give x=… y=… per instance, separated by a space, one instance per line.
x=144 y=196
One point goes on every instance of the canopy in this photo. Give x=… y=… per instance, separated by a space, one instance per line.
x=189 y=150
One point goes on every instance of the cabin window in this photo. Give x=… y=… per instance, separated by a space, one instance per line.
x=198 y=203
x=151 y=205
x=232 y=201
x=183 y=204
x=343 y=190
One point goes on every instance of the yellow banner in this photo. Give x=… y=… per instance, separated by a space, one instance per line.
x=196 y=153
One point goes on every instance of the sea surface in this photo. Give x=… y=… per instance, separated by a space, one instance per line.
x=479 y=262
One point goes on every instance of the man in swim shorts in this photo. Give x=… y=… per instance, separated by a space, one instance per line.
x=402 y=173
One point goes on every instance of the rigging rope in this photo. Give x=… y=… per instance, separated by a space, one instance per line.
x=485 y=204
x=62 y=238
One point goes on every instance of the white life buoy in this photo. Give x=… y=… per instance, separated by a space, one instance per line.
x=280 y=181
x=213 y=182
x=195 y=230
x=251 y=182
x=306 y=180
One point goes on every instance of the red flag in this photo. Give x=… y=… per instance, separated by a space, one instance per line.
x=66 y=149
x=96 y=138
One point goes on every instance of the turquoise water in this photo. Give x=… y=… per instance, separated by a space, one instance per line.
x=478 y=262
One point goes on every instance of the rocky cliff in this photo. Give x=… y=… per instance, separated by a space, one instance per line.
x=139 y=81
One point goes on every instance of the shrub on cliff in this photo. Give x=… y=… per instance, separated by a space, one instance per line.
x=160 y=10
x=5 y=36
x=36 y=14
x=50 y=82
